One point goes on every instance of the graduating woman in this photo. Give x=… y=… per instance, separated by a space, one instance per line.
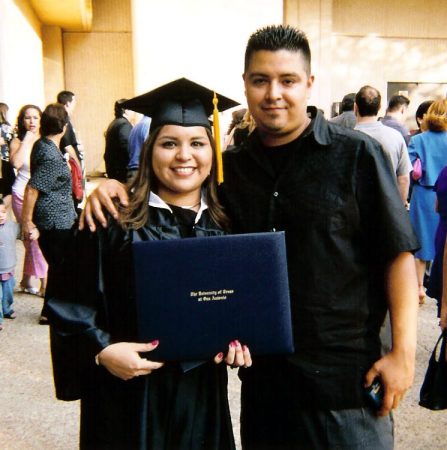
x=127 y=400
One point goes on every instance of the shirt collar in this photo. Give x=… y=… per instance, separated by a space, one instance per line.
x=319 y=129
x=157 y=202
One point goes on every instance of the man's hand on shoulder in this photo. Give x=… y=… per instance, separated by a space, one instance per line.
x=100 y=200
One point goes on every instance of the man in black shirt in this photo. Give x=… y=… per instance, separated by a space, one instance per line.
x=349 y=246
x=116 y=155
x=69 y=142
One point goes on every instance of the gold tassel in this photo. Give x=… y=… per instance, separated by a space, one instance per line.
x=217 y=139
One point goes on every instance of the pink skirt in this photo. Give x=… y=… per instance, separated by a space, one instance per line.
x=34 y=264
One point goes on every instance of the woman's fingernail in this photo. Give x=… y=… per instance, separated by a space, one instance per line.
x=155 y=343
x=220 y=355
x=236 y=343
x=233 y=344
x=245 y=348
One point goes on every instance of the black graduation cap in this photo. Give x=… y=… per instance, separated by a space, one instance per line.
x=185 y=103
x=180 y=102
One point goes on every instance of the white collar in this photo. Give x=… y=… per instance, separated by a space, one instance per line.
x=158 y=202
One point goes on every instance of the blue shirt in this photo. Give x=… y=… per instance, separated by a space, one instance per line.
x=431 y=148
x=137 y=137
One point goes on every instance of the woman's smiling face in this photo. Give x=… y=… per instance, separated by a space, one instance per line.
x=181 y=160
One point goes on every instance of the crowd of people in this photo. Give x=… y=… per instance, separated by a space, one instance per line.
x=339 y=188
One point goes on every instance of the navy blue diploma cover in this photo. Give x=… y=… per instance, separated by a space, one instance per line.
x=196 y=295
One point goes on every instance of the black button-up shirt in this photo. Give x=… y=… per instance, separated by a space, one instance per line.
x=335 y=197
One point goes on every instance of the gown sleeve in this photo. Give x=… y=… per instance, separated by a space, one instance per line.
x=76 y=310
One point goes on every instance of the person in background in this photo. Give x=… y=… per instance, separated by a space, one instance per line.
x=7 y=171
x=436 y=279
x=420 y=113
x=28 y=132
x=70 y=142
x=237 y=130
x=9 y=232
x=137 y=137
x=430 y=147
x=127 y=399
x=366 y=108
x=347 y=117
x=48 y=210
x=396 y=114
x=116 y=155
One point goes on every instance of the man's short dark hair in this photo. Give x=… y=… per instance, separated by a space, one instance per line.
x=347 y=104
x=396 y=101
x=422 y=110
x=368 y=101
x=53 y=119
x=278 y=37
x=65 y=97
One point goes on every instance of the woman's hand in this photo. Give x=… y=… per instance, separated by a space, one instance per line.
x=30 y=231
x=123 y=359
x=238 y=356
x=102 y=199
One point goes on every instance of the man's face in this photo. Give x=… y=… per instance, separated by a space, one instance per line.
x=403 y=113
x=277 y=88
x=70 y=106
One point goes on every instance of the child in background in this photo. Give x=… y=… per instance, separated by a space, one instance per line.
x=8 y=234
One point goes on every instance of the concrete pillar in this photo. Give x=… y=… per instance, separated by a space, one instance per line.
x=53 y=62
x=314 y=17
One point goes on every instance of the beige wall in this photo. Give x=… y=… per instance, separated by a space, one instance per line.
x=99 y=70
x=392 y=18
x=314 y=17
x=21 y=60
x=371 y=42
x=53 y=61
x=199 y=39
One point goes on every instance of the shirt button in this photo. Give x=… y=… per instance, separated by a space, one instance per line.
x=275 y=194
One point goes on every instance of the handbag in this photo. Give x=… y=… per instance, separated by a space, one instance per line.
x=417 y=169
x=76 y=179
x=433 y=394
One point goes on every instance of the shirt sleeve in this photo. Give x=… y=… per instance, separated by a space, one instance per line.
x=404 y=166
x=43 y=173
x=385 y=221
x=412 y=151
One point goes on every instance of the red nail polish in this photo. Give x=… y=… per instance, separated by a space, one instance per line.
x=155 y=343
x=220 y=355
x=244 y=348
x=233 y=344
x=236 y=343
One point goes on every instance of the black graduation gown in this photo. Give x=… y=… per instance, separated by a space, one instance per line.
x=168 y=409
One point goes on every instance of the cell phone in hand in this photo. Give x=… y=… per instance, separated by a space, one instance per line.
x=374 y=394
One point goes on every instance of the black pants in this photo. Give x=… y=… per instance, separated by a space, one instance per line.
x=56 y=248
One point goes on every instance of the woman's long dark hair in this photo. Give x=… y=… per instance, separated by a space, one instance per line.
x=20 y=127
x=136 y=214
x=3 y=113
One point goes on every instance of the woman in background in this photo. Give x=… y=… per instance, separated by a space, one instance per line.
x=7 y=171
x=28 y=132
x=431 y=148
x=48 y=210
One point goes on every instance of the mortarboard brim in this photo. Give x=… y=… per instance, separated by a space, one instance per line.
x=180 y=102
